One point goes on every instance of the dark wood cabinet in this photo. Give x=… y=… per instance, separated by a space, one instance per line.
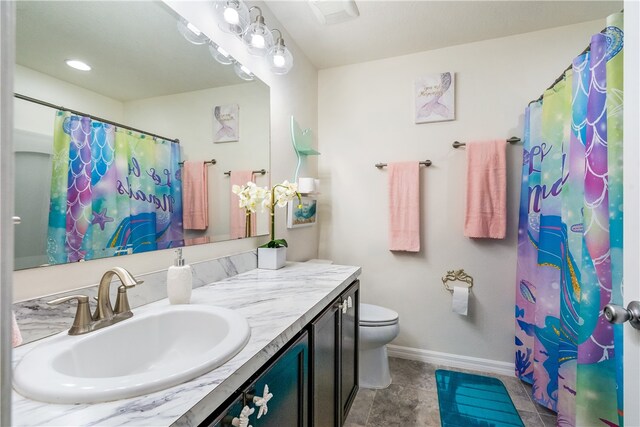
x=313 y=380
x=287 y=379
x=334 y=359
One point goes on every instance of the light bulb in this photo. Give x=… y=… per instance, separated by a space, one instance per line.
x=220 y=55
x=278 y=60
x=193 y=29
x=243 y=72
x=191 y=32
x=78 y=65
x=257 y=41
x=231 y=16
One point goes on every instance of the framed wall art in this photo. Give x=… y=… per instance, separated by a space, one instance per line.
x=304 y=216
x=435 y=98
x=226 y=123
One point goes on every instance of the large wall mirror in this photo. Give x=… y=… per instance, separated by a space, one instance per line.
x=102 y=176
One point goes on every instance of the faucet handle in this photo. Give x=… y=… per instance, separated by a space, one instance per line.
x=122 y=301
x=82 y=320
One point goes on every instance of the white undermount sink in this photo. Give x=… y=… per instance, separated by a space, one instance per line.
x=151 y=351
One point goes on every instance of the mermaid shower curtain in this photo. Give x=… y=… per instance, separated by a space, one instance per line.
x=570 y=240
x=113 y=191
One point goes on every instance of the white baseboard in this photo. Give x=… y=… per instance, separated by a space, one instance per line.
x=452 y=360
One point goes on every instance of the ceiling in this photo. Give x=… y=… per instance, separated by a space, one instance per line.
x=134 y=48
x=392 y=28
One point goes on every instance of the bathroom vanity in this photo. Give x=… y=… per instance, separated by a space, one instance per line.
x=313 y=379
x=303 y=347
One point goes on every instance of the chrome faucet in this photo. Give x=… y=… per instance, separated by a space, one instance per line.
x=105 y=314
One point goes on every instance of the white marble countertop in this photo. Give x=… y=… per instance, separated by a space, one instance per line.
x=277 y=305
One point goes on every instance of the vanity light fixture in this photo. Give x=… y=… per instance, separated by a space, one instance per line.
x=78 y=65
x=191 y=32
x=220 y=55
x=233 y=16
x=243 y=72
x=257 y=37
x=279 y=57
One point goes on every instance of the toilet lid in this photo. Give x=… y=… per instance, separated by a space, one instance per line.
x=373 y=315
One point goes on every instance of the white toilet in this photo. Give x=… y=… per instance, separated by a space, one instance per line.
x=378 y=327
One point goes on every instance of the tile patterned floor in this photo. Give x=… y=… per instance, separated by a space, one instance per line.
x=412 y=399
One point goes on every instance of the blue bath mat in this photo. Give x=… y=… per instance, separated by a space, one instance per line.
x=468 y=400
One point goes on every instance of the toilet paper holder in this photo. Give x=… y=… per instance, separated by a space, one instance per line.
x=456 y=276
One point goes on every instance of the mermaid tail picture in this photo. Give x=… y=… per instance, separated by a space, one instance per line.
x=435 y=98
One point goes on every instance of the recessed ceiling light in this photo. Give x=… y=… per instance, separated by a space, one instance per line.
x=78 y=65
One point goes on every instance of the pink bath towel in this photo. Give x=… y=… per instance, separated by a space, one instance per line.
x=237 y=215
x=486 y=213
x=404 y=206
x=195 y=196
x=16 y=336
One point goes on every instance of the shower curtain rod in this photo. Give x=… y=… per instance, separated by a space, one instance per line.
x=563 y=75
x=79 y=113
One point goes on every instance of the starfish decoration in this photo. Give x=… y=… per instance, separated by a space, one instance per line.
x=101 y=218
x=261 y=402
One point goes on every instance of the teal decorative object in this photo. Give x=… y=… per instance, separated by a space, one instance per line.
x=301 y=140
x=474 y=400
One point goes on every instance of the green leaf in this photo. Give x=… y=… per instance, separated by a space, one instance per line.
x=277 y=243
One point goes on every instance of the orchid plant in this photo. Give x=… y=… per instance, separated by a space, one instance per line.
x=280 y=195
x=250 y=196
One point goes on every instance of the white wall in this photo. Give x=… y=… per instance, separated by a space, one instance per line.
x=189 y=115
x=366 y=116
x=294 y=93
x=39 y=119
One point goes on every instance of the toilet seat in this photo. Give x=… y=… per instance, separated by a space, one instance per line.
x=373 y=315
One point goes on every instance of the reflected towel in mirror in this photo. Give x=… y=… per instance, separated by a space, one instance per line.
x=237 y=215
x=195 y=196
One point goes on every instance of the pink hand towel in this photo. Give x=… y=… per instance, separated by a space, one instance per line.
x=404 y=206
x=195 y=196
x=237 y=215
x=486 y=213
x=16 y=336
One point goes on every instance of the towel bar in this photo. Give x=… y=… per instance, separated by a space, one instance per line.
x=512 y=140
x=425 y=163
x=206 y=162
x=261 y=172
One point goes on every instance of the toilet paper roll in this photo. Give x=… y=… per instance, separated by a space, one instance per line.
x=306 y=185
x=460 y=301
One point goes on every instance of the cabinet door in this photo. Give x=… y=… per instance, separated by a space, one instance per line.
x=325 y=338
x=349 y=349
x=288 y=381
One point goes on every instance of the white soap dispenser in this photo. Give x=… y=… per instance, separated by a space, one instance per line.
x=179 y=281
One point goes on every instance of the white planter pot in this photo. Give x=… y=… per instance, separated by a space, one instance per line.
x=272 y=258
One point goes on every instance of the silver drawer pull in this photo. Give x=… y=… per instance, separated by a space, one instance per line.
x=17 y=220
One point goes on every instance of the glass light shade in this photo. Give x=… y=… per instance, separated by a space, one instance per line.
x=191 y=33
x=243 y=72
x=220 y=55
x=257 y=38
x=280 y=59
x=232 y=16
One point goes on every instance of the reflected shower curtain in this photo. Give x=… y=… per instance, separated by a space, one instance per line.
x=570 y=240
x=113 y=191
